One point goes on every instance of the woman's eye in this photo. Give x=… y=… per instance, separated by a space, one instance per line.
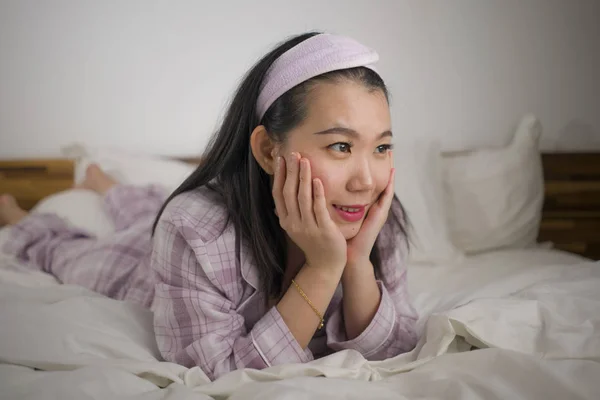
x=341 y=147
x=384 y=148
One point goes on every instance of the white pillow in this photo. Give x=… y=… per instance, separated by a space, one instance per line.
x=418 y=185
x=81 y=208
x=130 y=168
x=494 y=197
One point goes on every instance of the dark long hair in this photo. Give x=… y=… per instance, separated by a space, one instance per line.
x=229 y=168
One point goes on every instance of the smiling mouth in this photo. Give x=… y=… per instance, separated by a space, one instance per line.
x=353 y=213
x=350 y=209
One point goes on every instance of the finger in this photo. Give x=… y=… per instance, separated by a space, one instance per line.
x=277 y=190
x=388 y=193
x=384 y=201
x=319 y=205
x=305 y=196
x=290 y=187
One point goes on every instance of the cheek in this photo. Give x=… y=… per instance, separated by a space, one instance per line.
x=332 y=176
x=382 y=178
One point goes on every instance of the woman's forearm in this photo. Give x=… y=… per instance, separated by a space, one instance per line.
x=361 y=298
x=318 y=284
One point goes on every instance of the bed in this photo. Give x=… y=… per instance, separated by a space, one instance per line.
x=509 y=322
x=570 y=218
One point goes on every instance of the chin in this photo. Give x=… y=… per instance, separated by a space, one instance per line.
x=350 y=230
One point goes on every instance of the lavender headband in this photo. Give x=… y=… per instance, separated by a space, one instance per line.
x=315 y=56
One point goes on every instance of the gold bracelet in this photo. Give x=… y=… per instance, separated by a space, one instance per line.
x=310 y=304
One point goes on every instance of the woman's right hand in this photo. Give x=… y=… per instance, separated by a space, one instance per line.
x=302 y=211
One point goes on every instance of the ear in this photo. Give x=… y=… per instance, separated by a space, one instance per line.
x=264 y=149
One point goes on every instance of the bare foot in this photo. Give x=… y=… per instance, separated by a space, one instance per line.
x=10 y=212
x=96 y=180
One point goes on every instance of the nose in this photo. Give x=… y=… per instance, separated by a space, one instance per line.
x=361 y=176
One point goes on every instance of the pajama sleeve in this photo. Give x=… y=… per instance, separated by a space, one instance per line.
x=197 y=292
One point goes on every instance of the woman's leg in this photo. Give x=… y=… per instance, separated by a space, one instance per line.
x=97 y=180
x=10 y=212
x=127 y=205
x=43 y=240
x=110 y=266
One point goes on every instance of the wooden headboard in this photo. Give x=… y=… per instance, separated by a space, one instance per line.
x=571 y=215
x=570 y=219
x=32 y=180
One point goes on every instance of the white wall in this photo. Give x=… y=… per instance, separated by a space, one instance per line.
x=153 y=76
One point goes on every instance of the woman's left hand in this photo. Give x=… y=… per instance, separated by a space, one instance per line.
x=360 y=246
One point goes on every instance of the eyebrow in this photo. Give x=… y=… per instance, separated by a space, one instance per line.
x=350 y=132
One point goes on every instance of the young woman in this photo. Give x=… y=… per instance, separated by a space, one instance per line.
x=287 y=243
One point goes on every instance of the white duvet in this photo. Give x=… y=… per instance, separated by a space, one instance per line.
x=506 y=325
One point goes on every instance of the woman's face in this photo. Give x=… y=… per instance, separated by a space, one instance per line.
x=346 y=136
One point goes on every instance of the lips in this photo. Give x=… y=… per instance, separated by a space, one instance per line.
x=350 y=213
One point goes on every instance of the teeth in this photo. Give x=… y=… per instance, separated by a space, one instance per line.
x=348 y=209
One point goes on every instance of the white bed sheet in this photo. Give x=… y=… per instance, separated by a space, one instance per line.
x=535 y=313
x=435 y=288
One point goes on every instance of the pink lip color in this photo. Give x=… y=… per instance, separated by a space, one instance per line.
x=352 y=216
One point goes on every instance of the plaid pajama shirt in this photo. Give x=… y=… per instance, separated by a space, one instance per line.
x=210 y=311
x=200 y=280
